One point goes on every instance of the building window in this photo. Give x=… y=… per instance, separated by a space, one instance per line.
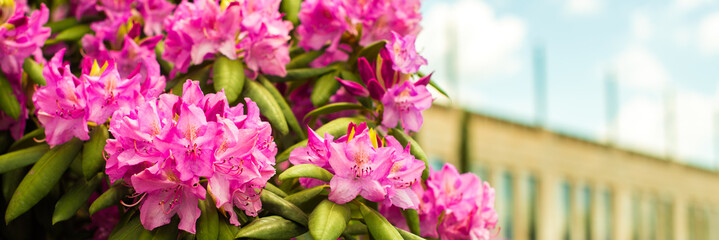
x=565 y=200
x=533 y=197
x=506 y=212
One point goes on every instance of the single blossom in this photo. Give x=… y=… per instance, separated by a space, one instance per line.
x=403 y=54
x=107 y=92
x=61 y=104
x=405 y=102
x=166 y=196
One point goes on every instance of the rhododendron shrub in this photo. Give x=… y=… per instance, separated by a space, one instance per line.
x=208 y=119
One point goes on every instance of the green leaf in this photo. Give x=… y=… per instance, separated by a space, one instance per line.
x=274 y=189
x=58 y=26
x=338 y=127
x=324 y=88
x=92 y=152
x=328 y=220
x=306 y=170
x=272 y=227
x=378 y=226
x=131 y=230
x=42 y=178
x=109 y=198
x=34 y=71
x=8 y=101
x=207 y=224
x=28 y=139
x=356 y=228
x=277 y=205
x=77 y=196
x=412 y=219
x=10 y=181
x=286 y=110
x=302 y=197
x=408 y=235
x=73 y=33
x=169 y=231
x=333 y=108
x=229 y=75
x=291 y=8
x=226 y=230
x=414 y=149
x=371 y=51
x=300 y=73
x=268 y=106
x=303 y=59
x=21 y=158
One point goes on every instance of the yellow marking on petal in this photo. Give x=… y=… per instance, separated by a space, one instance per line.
x=96 y=70
x=351 y=135
x=378 y=70
x=373 y=137
x=91 y=124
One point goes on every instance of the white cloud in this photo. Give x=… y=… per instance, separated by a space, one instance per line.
x=694 y=116
x=638 y=68
x=583 y=7
x=687 y=5
x=486 y=45
x=640 y=125
x=708 y=34
x=642 y=28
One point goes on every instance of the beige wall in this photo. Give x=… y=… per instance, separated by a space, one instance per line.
x=504 y=147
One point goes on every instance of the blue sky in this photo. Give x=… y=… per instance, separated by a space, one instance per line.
x=654 y=48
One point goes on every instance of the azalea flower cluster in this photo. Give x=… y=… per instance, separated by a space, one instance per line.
x=327 y=22
x=67 y=103
x=21 y=36
x=364 y=164
x=253 y=30
x=164 y=147
x=452 y=206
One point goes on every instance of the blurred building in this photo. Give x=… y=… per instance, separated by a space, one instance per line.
x=554 y=186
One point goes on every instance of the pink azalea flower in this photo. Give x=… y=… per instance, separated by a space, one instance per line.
x=136 y=131
x=322 y=22
x=197 y=31
x=403 y=99
x=167 y=196
x=359 y=166
x=362 y=166
x=405 y=102
x=107 y=92
x=21 y=36
x=401 y=16
x=153 y=14
x=61 y=104
x=267 y=54
x=403 y=54
x=174 y=141
x=316 y=153
x=466 y=203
